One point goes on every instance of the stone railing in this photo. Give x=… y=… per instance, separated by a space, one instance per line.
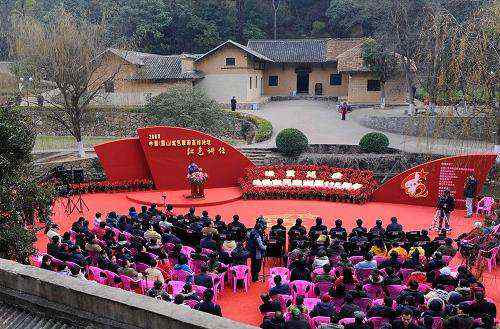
x=89 y=304
x=480 y=128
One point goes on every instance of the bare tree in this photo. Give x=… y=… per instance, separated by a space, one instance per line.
x=276 y=6
x=69 y=52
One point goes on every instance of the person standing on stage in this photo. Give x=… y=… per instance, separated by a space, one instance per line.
x=445 y=205
x=470 y=190
x=192 y=168
x=257 y=249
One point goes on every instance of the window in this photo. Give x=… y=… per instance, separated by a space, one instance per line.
x=335 y=79
x=373 y=85
x=273 y=80
x=109 y=86
x=250 y=82
x=230 y=61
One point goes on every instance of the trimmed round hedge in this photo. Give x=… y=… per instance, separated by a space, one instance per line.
x=291 y=142
x=374 y=142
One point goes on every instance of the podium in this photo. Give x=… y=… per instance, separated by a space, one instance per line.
x=197 y=191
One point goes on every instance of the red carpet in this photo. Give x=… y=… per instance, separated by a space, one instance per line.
x=215 y=196
x=242 y=306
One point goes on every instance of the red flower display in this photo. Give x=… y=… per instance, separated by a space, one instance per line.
x=113 y=186
x=308 y=182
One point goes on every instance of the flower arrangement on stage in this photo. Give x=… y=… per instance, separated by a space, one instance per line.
x=308 y=182
x=113 y=186
x=197 y=178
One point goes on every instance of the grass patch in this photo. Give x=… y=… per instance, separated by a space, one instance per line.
x=264 y=127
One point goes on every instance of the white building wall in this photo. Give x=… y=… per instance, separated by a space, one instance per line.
x=222 y=87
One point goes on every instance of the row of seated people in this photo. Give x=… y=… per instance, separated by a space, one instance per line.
x=397 y=281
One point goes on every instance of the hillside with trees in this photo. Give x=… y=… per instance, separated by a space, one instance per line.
x=195 y=26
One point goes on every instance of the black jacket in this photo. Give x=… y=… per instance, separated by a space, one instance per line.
x=209 y=307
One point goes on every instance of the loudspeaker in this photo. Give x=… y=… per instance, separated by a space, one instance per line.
x=78 y=176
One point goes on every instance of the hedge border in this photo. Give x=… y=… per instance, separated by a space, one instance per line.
x=264 y=130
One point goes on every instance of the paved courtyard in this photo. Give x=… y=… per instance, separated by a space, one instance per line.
x=321 y=123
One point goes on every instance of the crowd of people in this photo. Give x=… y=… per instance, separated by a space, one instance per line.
x=345 y=269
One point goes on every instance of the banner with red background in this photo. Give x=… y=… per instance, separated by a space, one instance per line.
x=423 y=184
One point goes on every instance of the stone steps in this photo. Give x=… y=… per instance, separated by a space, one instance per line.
x=259 y=157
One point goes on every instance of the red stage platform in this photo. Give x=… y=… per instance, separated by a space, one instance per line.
x=213 y=197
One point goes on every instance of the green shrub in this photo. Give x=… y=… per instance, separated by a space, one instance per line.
x=291 y=142
x=264 y=127
x=374 y=142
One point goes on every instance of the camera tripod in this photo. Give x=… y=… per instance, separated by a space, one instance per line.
x=72 y=204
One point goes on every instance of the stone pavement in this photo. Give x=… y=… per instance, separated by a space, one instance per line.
x=321 y=123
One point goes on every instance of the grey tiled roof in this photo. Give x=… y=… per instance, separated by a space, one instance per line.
x=240 y=46
x=292 y=50
x=157 y=67
x=12 y=317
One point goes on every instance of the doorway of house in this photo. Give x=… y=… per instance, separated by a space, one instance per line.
x=302 y=82
x=318 y=89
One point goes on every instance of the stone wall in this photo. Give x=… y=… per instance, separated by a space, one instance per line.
x=111 y=122
x=480 y=128
x=91 y=305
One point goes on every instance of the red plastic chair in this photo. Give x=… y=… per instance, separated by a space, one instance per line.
x=281 y=271
x=175 y=287
x=394 y=290
x=240 y=272
x=491 y=262
x=373 y=290
x=301 y=287
x=485 y=205
x=309 y=303
x=318 y=320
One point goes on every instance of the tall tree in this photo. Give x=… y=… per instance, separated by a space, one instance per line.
x=276 y=6
x=67 y=52
x=21 y=196
x=240 y=22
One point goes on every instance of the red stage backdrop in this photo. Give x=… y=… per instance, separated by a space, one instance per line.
x=423 y=184
x=163 y=153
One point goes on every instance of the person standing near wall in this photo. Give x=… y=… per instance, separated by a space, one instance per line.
x=233 y=103
x=343 y=110
x=470 y=190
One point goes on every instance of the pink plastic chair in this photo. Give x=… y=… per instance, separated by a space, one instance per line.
x=196 y=265
x=176 y=287
x=191 y=303
x=447 y=259
x=424 y=288
x=318 y=320
x=323 y=287
x=200 y=290
x=180 y=275
x=380 y=301
x=394 y=289
x=240 y=272
x=485 y=205
x=373 y=290
x=117 y=232
x=146 y=285
x=356 y=259
x=169 y=246
x=281 y=271
x=491 y=262
x=37 y=260
x=363 y=274
x=187 y=250
x=129 y=282
x=309 y=303
x=363 y=303
x=379 y=259
x=378 y=322
x=71 y=264
x=141 y=267
x=110 y=277
x=405 y=272
x=128 y=236
x=437 y=323
x=345 y=321
x=301 y=287
x=95 y=274
x=284 y=299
